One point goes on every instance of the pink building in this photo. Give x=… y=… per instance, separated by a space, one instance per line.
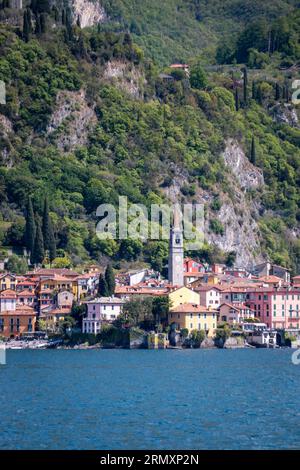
x=99 y=311
x=235 y=314
x=278 y=308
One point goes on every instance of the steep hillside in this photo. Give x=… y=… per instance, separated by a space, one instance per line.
x=89 y=118
x=177 y=30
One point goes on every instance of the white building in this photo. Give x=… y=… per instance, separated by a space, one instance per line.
x=101 y=311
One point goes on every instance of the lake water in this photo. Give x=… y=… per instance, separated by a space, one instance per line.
x=118 y=399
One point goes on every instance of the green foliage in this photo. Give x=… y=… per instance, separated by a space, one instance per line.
x=216 y=226
x=48 y=233
x=197 y=337
x=110 y=280
x=102 y=287
x=17 y=265
x=198 y=77
x=38 y=253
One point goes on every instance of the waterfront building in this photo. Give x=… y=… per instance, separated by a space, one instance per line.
x=235 y=314
x=194 y=317
x=101 y=311
x=15 y=323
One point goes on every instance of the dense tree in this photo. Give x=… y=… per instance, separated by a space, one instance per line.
x=102 y=287
x=48 y=232
x=30 y=228
x=38 y=250
x=253 y=152
x=17 y=265
x=198 y=77
x=237 y=99
x=110 y=280
x=245 y=85
x=26 y=26
x=277 y=92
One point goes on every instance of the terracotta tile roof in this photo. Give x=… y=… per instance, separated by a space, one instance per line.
x=191 y=308
x=8 y=294
x=21 y=310
x=270 y=279
x=26 y=293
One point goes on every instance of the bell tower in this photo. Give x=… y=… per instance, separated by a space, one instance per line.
x=176 y=251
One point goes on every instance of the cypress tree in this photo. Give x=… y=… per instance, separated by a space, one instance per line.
x=102 y=287
x=110 y=280
x=26 y=28
x=259 y=97
x=43 y=23
x=63 y=17
x=245 y=85
x=30 y=227
x=254 y=90
x=253 y=152
x=277 y=92
x=38 y=25
x=237 y=99
x=38 y=251
x=48 y=233
x=287 y=93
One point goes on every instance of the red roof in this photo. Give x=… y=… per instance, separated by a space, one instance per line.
x=8 y=294
x=191 y=308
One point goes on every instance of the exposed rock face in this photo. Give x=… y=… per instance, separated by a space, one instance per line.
x=126 y=77
x=89 y=12
x=285 y=114
x=5 y=125
x=238 y=214
x=248 y=175
x=5 y=130
x=71 y=121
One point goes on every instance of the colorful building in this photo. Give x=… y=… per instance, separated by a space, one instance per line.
x=194 y=317
x=15 y=323
x=8 y=282
x=183 y=295
x=101 y=311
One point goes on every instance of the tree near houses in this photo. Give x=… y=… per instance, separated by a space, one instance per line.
x=30 y=227
x=110 y=280
x=253 y=152
x=38 y=251
x=48 y=233
x=102 y=287
x=198 y=78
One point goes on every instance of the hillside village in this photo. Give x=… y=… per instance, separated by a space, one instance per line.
x=90 y=116
x=197 y=305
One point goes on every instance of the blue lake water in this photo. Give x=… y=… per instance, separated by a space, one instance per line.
x=118 y=399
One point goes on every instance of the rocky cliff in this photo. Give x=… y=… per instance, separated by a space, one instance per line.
x=89 y=13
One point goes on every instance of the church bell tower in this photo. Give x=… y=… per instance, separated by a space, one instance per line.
x=176 y=251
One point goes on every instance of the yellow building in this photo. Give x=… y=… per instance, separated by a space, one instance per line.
x=194 y=317
x=183 y=295
x=8 y=282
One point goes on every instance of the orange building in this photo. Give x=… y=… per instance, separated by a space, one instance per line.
x=14 y=323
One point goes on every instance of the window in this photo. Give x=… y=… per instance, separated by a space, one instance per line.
x=11 y=325
x=191 y=315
